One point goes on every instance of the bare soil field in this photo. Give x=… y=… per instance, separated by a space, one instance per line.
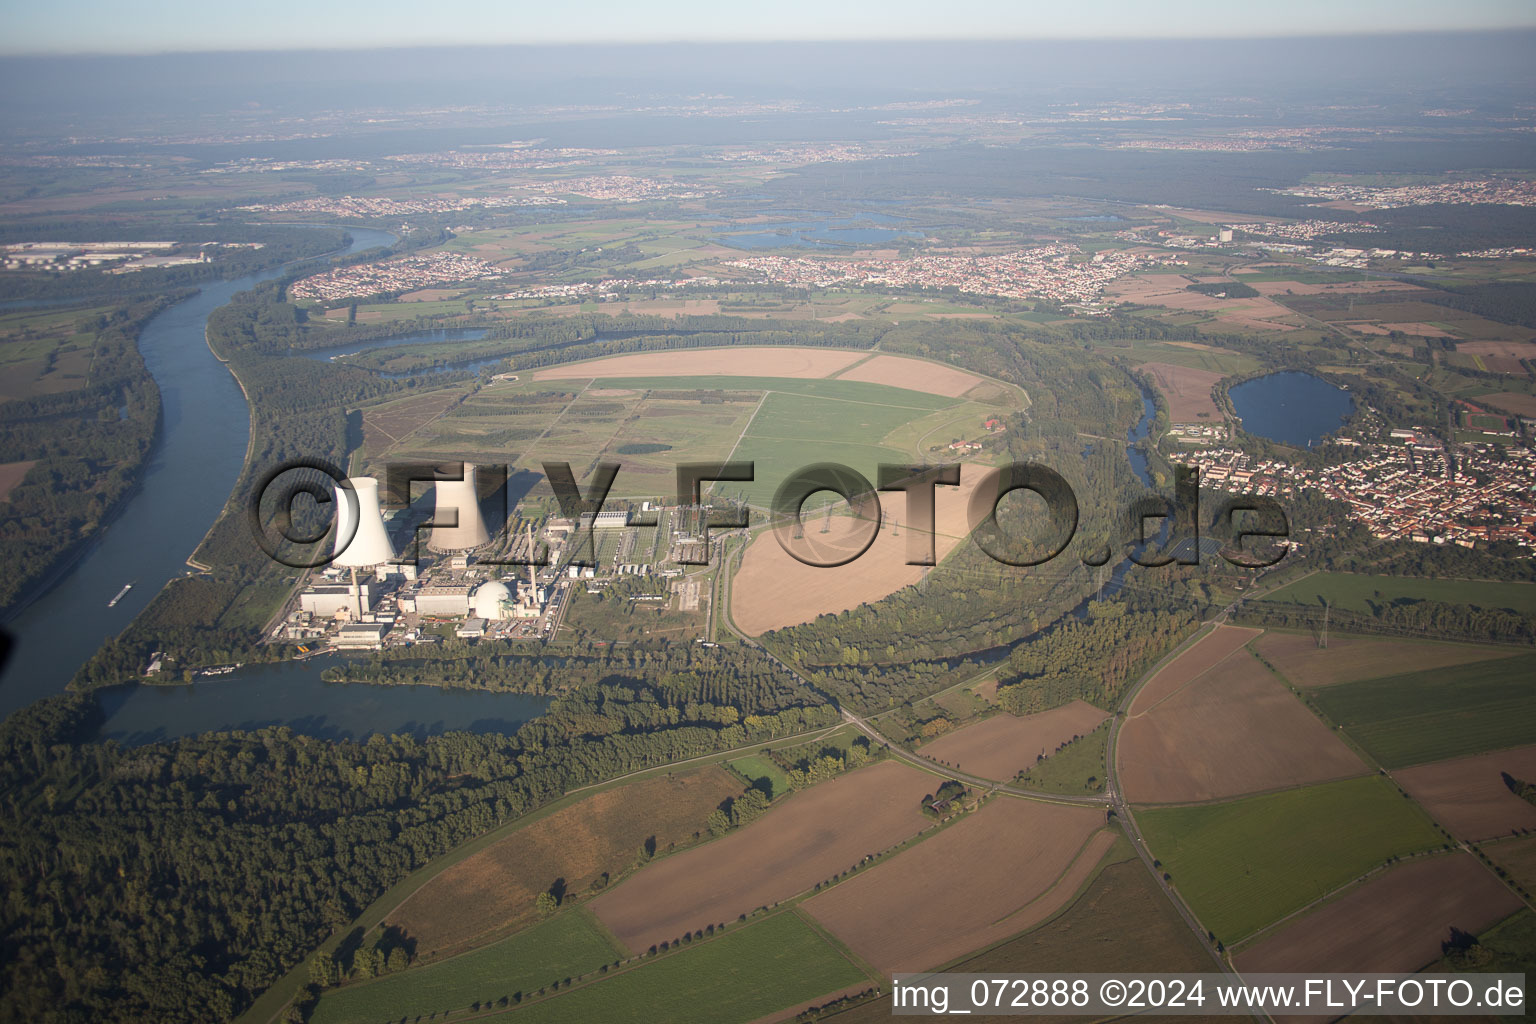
x=1524 y=405
x=710 y=362
x=1468 y=795
x=1233 y=731
x=494 y=889
x=914 y=375
x=1003 y=869
x=11 y=474
x=1197 y=660
x=772 y=589
x=1188 y=391
x=432 y=294
x=816 y=834
x=1004 y=745
x=1168 y=290
x=1511 y=349
x=1395 y=922
x=1349 y=658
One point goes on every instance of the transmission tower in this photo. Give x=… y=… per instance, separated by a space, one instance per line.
x=1327 y=607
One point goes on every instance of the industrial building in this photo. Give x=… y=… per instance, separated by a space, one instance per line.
x=326 y=601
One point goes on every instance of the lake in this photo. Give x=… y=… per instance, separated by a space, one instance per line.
x=1291 y=407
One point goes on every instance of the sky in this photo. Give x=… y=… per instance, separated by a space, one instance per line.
x=166 y=26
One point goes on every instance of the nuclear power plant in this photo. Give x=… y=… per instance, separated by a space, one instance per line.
x=363 y=544
x=458 y=498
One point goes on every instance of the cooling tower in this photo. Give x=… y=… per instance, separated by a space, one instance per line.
x=458 y=498
x=369 y=545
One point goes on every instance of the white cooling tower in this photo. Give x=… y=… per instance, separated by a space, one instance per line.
x=369 y=544
x=458 y=498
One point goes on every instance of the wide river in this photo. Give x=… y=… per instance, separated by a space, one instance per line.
x=191 y=470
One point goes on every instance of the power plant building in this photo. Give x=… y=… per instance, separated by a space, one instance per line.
x=328 y=600
x=447 y=601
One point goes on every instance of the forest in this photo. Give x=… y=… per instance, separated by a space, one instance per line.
x=177 y=880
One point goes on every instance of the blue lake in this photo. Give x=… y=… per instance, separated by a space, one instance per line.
x=1291 y=407
x=824 y=232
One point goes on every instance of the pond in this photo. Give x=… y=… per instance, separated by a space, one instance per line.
x=1291 y=407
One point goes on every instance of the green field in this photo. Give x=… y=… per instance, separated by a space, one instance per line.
x=748 y=974
x=1076 y=768
x=1247 y=863
x=565 y=946
x=755 y=768
x=1359 y=592
x=1439 y=713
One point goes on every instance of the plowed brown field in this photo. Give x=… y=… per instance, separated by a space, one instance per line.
x=1005 y=868
x=772 y=589
x=1349 y=658
x=914 y=375
x=1468 y=795
x=1394 y=922
x=1187 y=391
x=1003 y=745
x=1207 y=652
x=1234 y=730
x=813 y=836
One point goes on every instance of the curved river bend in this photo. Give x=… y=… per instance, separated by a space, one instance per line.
x=189 y=475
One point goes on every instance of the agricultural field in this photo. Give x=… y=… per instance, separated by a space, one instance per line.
x=1230 y=732
x=1196 y=660
x=953 y=892
x=13 y=473
x=565 y=946
x=805 y=839
x=1223 y=315
x=1357 y=592
x=1348 y=659
x=1418 y=717
x=44 y=352
x=1075 y=769
x=1469 y=796
x=757 y=769
x=1186 y=390
x=772 y=589
x=750 y=972
x=1121 y=922
x=1247 y=863
x=1518 y=857
x=1393 y=923
x=493 y=890
x=1004 y=745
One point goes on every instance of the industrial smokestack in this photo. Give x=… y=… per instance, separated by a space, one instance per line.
x=369 y=542
x=458 y=498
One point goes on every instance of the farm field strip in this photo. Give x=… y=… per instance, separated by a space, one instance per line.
x=1247 y=863
x=811 y=836
x=493 y=890
x=565 y=946
x=1434 y=715
x=753 y=970
x=1003 y=745
x=1395 y=922
x=1355 y=591
x=1469 y=796
x=1297 y=657
x=1208 y=652
x=1231 y=731
x=956 y=891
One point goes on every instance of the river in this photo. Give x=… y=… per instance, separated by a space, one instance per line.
x=189 y=474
